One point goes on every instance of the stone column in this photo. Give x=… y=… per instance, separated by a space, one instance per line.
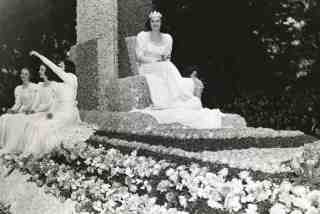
x=102 y=26
x=95 y=53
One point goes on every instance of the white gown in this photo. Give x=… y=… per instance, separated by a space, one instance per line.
x=171 y=94
x=12 y=125
x=43 y=102
x=45 y=133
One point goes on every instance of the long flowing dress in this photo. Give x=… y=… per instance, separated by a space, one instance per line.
x=45 y=133
x=43 y=103
x=172 y=95
x=12 y=125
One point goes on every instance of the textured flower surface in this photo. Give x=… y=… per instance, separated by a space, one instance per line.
x=267 y=160
x=129 y=181
x=110 y=175
x=5 y=208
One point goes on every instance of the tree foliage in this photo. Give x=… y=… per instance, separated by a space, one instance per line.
x=249 y=39
x=30 y=19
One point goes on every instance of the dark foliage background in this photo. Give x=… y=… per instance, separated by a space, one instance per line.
x=24 y=22
x=231 y=43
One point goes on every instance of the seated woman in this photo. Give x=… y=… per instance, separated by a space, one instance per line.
x=12 y=123
x=173 y=96
x=42 y=104
x=46 y=132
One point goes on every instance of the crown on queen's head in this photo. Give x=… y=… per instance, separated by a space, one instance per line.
x=155 y=14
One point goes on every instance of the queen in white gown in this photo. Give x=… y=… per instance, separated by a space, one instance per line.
x=173 y=96
x=12 y=123
x=46 y=132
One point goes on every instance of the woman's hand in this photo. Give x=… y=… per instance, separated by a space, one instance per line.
x=198 y=84
x=34 y=53
x=165 y=57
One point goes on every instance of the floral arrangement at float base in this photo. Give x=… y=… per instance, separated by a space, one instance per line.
x=307 y=166
x=105 y=180
x=267 y=160
x=5 y=208
x=212 y=140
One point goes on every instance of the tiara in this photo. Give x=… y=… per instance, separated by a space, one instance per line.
x=155 y=14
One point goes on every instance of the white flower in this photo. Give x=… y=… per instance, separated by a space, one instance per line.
x=248 y=198
x=313 y=210
x=225 y=189
x=232 y=203
x=289 y=21
x=164 y=185
x=129 y=172
x=295 y=164
x=133 y=188
x=183 y=201
x=296 y=212
x=149 y=188
x=286 y=198
x=244 y=175
x=252 y=209
x=301 y=74
x=278 y=209
x=299 y=25
x=302 y=202
x=170 y=172
x=295 y=42
x=170 y=196
x=97 y=205
x=223 y=172
x=285 y=186
x=214 y=204
x=300 y=191
x=314 y=198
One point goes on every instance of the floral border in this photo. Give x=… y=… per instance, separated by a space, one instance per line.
x=198 y=140
x=158 y=154
x=104 y=180
x=267 y=165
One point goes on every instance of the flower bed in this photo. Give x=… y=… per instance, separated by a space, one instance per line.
x=211 y=140
x=265 y=160
x=4 y=208
x=107 y=180
x=111 y=172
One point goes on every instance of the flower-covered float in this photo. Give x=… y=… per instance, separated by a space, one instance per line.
x=174 y=169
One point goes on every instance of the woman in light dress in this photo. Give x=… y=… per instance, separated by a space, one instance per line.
x=173 y=97
x=12 y=123
x=46 y=132
x=43 y=102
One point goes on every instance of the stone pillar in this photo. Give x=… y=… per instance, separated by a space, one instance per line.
x=102 y=26
x=95 y=53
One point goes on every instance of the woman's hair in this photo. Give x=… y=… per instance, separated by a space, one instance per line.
x=164 y=27
x=50 y=74
x=69 y=65
x=148 y=25
x=57 y=58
